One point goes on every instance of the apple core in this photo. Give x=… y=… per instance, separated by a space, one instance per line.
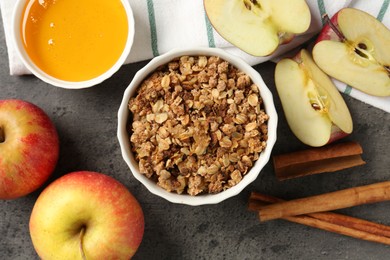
x=319 y=100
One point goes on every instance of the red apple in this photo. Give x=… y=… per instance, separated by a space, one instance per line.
x=86 y=215
x=29 y=148
x=354 y=48
x=314 y=108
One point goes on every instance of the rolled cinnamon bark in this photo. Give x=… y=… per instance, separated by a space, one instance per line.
x=329 y=158
x=329 y=201
x=329 y=221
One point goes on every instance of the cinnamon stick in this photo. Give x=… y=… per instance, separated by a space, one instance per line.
x=329 y=201
x=257 y=201
x=329 y=158
x=355 y=223
x=329 y=221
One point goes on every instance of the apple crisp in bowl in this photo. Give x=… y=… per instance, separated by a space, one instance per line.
x=197 y=126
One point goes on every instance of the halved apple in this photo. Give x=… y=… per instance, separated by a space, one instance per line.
x=356 y=51
x=314 y=108
x=258 y=27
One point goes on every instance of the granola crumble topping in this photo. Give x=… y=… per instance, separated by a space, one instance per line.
x=198 y=125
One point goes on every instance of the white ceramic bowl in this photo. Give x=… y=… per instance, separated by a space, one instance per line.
x=18 y=44
x=123 y=136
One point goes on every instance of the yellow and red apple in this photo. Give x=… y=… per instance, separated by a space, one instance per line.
x=314 y=108
x=86 y=215
x=258 y=27
x=354 y=48
x=29 y=148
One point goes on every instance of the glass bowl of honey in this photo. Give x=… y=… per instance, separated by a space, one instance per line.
x=73 y=44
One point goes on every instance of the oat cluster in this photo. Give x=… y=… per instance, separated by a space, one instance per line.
x=198 y=125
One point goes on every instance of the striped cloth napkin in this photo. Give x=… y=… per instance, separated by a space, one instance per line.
x=162 y=25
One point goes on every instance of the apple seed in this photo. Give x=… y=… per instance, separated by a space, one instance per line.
x=362 y=46
x=319 y=101
x=2 y=135
x=387 y=68
x=315 y=106
x=360 y=53
x=248 y=4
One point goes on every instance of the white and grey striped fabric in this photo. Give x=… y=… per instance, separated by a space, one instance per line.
x=162 y=25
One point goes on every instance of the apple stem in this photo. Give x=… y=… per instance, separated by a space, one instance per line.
x=334 y=28
x=2 y=135
x=82 y=233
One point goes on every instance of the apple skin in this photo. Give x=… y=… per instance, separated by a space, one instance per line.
x=29 y=148
x=327 y=33
x=337 y=134
x=111 y=216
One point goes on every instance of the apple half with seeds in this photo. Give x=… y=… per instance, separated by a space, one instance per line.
x=314 y=108
x=354 y=48
x=258 y=27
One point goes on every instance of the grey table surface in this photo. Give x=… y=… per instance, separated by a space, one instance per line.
x=87 y=120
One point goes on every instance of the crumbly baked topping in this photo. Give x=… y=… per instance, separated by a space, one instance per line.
x=198 y=125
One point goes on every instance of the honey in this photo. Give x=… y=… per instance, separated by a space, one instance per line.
x=74 y=40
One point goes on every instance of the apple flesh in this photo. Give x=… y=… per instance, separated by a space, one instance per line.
x=86 y=215
x=258 y=27
x=29 y=148
x=314 y=108
x=356 y=51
